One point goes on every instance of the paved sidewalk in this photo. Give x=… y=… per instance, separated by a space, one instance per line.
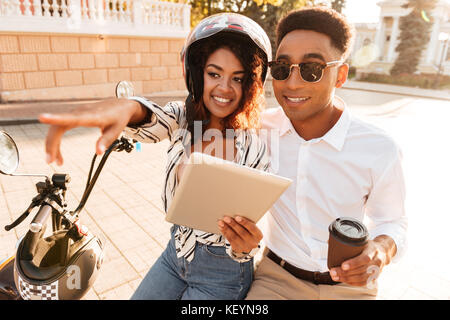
x=125 y=208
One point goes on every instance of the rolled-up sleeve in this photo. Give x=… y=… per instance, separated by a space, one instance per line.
x=164 y=121
x=385 y=205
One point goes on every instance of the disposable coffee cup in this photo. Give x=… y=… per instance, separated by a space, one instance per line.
x=348 y=238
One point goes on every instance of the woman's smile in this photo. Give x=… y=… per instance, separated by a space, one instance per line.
x=223 y=78
x=222 y=100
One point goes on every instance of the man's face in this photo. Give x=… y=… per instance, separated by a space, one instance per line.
x=302 y=100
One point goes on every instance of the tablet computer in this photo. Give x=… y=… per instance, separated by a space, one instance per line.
x=211 y=188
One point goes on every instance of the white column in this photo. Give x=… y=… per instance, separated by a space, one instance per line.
x=84 y=10
x=74 y=13
x=121 y=12
x=92 y=10
x=433 y=44
x=357 y=44
x=187 y=17
x=37 y=8
x=138 y=13
x=64 y=14
x=445 y=53
x=393 y=40
x=380 y=38
x=46 y=7
x=27 y=7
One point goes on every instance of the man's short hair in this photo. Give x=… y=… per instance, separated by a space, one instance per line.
x=319 y=19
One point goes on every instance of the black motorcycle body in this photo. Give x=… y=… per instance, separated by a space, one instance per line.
x=8 y=289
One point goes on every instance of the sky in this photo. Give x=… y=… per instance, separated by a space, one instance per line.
x=362 y=11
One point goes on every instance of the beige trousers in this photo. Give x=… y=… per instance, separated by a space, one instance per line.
x=272 y=282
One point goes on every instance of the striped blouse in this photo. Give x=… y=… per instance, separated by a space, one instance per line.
x=170 y=122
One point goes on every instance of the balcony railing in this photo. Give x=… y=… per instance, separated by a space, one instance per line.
x=112 y=17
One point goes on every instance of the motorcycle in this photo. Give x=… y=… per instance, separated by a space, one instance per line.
x=65 y=264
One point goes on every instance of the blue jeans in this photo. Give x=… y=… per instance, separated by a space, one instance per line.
x=212 y=275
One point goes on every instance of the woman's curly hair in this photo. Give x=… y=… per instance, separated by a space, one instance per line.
x=247 y=115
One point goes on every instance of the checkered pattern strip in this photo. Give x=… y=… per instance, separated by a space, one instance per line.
x=42 y=292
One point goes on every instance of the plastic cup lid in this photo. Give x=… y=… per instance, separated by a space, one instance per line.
x=349 y=230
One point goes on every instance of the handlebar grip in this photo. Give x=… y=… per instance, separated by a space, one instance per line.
x=40 y=219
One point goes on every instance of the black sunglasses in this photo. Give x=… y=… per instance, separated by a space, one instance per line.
x=309 y=71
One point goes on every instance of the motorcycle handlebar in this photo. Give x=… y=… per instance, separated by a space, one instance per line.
x=19 y=219
x=118 y=145
x=40 y=219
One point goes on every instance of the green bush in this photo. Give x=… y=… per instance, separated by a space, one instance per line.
x=351 y=72
x=425 y=81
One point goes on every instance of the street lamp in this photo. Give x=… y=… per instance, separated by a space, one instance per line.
x=444 y=38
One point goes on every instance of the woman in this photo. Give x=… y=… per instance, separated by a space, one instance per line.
x=225 y=62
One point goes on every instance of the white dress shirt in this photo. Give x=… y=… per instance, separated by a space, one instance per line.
x=354 y=170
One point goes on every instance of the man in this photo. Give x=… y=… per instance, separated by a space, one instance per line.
x=340 y=166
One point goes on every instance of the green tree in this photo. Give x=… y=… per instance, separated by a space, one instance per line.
x=338 y=5
x=203 y=8
x=265 y=12
x=415 y=29
x=268 y=12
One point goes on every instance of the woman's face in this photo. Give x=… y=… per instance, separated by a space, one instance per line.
x=223 y=76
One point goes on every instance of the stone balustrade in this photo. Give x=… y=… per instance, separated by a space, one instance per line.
x=103 y=17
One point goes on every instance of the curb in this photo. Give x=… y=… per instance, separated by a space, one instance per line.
x=400 y=90
x=163 y=97
x=160 y=98
x=16 y=122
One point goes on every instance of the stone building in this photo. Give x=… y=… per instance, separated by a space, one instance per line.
x=79 y=49
x=375 y=43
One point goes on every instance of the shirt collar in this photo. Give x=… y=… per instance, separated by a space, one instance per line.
x=286 y=126
x=336 y=135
